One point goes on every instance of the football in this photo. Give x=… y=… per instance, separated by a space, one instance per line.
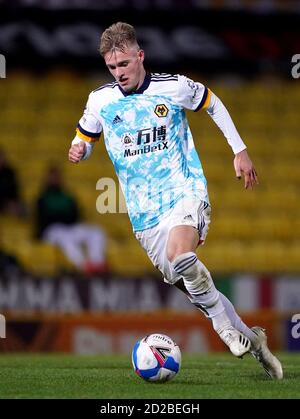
x=156 y=358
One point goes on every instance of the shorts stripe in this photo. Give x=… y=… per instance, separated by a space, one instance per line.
x=201 y=211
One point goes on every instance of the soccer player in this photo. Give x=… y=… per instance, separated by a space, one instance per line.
x=149 y=141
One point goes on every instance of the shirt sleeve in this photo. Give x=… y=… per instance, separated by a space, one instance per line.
x=221 y=117
x=89 y=127
x=192 y=95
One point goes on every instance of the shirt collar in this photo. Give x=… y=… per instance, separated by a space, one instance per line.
x=141 y=89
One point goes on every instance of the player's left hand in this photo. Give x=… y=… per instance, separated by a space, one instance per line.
x=243 y=166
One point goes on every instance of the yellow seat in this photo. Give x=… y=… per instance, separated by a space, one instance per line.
x=39 y=258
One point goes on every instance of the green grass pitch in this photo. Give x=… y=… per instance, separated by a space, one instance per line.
x=112 y=377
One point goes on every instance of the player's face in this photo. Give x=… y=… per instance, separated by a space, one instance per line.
x=127 y=67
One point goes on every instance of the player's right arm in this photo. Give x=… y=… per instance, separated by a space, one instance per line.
x=77 y=151
x=88 y=131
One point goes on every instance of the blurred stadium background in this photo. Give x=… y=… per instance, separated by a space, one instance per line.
x=243 y=51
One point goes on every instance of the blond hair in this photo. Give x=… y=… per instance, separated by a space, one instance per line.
x=118 y=36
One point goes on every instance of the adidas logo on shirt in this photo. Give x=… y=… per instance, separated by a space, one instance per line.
x=117 y=119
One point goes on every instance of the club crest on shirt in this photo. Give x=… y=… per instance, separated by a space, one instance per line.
x=161 y=110
x=127 y=140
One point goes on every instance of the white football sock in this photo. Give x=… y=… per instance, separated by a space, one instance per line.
x=235 y=319
x=200 y=286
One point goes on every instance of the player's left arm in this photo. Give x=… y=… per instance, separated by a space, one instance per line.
x=244 y=166
x=242 y=163
x=195 y=96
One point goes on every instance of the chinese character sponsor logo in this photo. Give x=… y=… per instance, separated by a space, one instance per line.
x=150 y=139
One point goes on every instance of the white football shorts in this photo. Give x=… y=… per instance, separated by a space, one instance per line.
x=188 y=211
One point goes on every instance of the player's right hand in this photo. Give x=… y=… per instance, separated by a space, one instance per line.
x=77 y=151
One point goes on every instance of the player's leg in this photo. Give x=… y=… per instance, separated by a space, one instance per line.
x=154 y=241
x=259 y=348
x=261 y=352
x=235 y=319
x=181 y=246
x=159 y=242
